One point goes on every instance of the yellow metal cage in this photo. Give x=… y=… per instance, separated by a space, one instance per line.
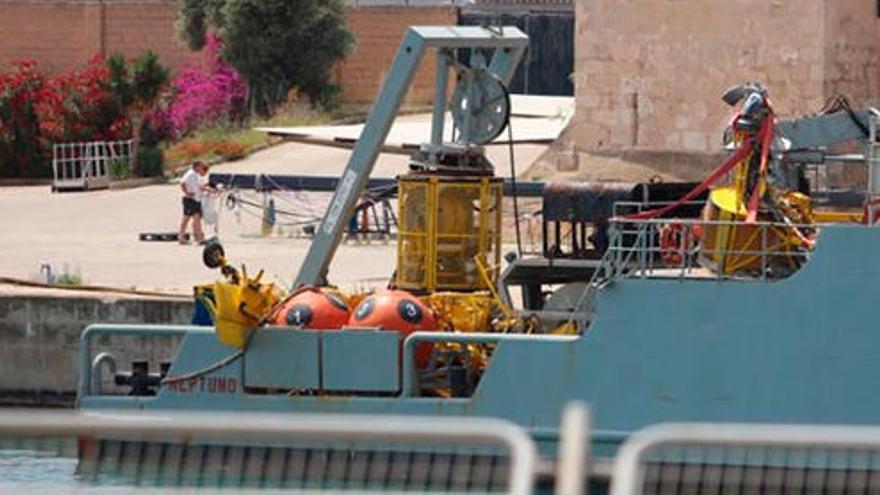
x=445 y=223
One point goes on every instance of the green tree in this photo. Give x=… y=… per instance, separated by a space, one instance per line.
x=277 y=45
x=136 y=86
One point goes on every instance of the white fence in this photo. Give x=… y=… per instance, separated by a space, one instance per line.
x=88 y=165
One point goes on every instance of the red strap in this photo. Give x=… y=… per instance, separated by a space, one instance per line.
x=766 y=137
x=720 y=172
x=867 y=216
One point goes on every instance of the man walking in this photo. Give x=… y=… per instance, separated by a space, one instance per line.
x=193 y=192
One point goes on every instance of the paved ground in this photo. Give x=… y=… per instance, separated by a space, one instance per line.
x=95 y=234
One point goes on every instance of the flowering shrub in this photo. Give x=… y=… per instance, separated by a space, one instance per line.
x=213 y=93
x=22 y=91
x=81 y=107
x=36 y=111
x=230 y=150
x=191 y=149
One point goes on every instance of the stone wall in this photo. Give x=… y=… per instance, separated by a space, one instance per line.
x=39 y=340
x=61 y=34
x=852 y=50
x=649 y=73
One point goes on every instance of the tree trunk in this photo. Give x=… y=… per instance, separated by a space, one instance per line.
x=135 y=118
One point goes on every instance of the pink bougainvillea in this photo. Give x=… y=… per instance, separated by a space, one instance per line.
x=206 y=94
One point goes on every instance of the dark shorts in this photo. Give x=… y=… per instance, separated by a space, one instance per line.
x=191 y=207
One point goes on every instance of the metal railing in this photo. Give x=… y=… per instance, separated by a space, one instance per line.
x=90 y=367
x=748 y=459
x=689 y=248
x=86 y=165
x=272 y=451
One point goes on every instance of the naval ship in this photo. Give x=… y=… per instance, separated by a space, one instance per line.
x=743 y=298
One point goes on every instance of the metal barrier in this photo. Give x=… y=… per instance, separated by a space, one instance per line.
x=273 y=451
x=688 y=248
x=89 y=370
x=89 y=165
x=748 y=459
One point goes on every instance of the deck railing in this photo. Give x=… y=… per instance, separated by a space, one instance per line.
x=748 y=459
x=692 y=248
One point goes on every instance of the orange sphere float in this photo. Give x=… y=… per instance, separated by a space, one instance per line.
x=398 y=311
x=314 y=309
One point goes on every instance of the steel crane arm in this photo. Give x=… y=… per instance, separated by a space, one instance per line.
x=509 y=44
x=807 y=133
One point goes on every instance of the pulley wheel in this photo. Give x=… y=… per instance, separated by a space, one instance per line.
x=480 y=106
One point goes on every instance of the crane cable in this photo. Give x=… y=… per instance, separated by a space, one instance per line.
x=513 y=188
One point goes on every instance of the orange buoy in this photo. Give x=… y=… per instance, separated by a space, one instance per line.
x=399 y=311
x=315 y=309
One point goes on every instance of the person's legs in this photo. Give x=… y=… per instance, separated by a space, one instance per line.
x=197 y=228
x=181 y=234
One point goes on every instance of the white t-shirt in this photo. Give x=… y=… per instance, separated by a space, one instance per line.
x=193 y=184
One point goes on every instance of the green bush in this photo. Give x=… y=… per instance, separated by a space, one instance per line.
x=120 y=169
x=68 y=279
x=150 y=162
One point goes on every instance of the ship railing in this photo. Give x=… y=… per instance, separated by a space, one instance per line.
x=625 y=208
x=296 y=452
x=748 y=458
x=694 y=248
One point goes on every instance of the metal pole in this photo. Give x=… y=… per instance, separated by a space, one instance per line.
x=442 y=81
x=574 y=441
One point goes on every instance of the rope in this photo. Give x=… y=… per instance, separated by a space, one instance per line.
x=204 y=371
x=90 y=288
x=513 y=187
x=226 y=361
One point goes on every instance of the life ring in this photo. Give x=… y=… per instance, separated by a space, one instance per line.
x=675 y=241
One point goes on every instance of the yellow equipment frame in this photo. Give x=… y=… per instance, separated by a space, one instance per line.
x=444 y=223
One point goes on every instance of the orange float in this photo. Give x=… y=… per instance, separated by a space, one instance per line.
x=399 y=311
x=314 y=309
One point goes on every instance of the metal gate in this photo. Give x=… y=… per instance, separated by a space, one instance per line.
x=87 y=165
x=549 y=62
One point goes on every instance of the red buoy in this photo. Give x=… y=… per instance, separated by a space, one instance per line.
x=398 y=311
x=315 y=309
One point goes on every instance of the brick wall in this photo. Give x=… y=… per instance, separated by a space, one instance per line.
x=378 y=31
x=134 y=26
x=60 y=34
x=53 y=34
x=649 y=72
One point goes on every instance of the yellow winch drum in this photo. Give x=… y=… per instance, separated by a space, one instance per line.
x=444 y=224
x=730 y=245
